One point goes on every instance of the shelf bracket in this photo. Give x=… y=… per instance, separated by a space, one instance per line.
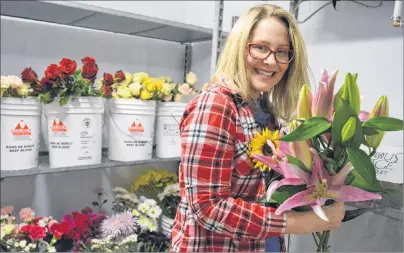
x=188 y=60
x=217 y=34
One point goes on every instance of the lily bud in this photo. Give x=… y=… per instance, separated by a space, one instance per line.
x=349 y=129
x=304 y=103
x=381 y=109
x=323 y=99
x=301 y=149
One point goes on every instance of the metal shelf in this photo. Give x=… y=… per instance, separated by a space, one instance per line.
x=43 y=166
x=98 y=18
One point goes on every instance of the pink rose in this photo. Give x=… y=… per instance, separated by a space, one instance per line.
x=185 y=89
x=7 y=210
x=27 y=214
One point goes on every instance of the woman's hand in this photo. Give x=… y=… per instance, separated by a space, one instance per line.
x=309 y=222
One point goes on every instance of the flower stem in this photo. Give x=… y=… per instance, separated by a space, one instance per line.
x=315 y=239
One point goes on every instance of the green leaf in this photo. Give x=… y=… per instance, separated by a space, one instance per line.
x=349 y=128
x=354 y=96
x=310 y=128
x=349 y=179
x=384 y=124
x=45 y=98
x=342 y=113
x=293 y=160
x=64 y=100
x=369 y=131
x=362 y=164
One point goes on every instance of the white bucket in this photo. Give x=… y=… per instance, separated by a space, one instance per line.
x=131 y=129
x=168 y=141
x=75 y=132
x=20 y=129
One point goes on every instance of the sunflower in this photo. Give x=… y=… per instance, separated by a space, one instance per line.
x=259 y=146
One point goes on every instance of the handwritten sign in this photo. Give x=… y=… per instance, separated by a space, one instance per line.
x=388 y=162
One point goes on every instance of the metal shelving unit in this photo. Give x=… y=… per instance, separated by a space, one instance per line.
x=76 y=14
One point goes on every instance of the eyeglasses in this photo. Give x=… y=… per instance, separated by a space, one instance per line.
x=261 y=52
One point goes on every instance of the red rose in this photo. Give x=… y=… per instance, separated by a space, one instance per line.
x=108 y=79
x=59 y=229
x=67 y=66
x=52 y=72
x=107 y=91
x=88 y=59
x=120 y=76
x=89 y=71
x=28 y=75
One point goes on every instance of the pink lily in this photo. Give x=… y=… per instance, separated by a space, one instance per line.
x=278 y=155
x=322 y=105
x=320 y=187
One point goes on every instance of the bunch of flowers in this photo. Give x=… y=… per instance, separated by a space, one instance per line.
x=131 y=228
x=326 y=154
x=83 y=225
x=26 y=86
x=187 y=88
x=170 y=199
x=153 y=182
x=127 y=86
x=34 y=234
x=64 y=80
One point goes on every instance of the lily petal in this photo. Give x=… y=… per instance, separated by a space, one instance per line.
x=347 y=193
x=299 y=199
x=284 y=148
x=363 y=115
x=324 y=76
x=268 y=161
x=287 y=181
x=318 y=171
x=289 y=170
x=339 y=178
x=320 y=212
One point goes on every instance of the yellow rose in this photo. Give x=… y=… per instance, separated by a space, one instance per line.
x=24 y=89
x=167 y=89
x=150 y=85
x=145 y=95
x=135 y=88
x=114 y=95
x=124 y=92
x=191 y=78
x=8 y=229
x=139 y=77
x=159 y=83
x=100 y=83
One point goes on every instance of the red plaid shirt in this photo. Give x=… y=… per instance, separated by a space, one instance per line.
x=218 y=186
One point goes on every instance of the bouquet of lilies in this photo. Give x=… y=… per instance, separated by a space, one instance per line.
x=325 y=155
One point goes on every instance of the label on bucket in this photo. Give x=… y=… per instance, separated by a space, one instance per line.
x=79 y=135
x=19 y=142
x=132 y=135
x=171 y=130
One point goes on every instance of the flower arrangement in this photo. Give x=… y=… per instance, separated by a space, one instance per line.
x=65 y=81
x=187 y=88
x=325 y=155
x=153 y=182
x=34 y=234
x=131 y=228
x=127 y=86
x=170 y=199
x=26 y=86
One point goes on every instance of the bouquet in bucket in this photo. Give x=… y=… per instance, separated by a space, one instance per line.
x=127 y=86
x=325 y=156
x=27 y=85
x=64 y=81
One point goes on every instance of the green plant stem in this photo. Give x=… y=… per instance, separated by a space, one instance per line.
x=288 y=250
x=373 y=152
x=315 y=239
x=322 y=247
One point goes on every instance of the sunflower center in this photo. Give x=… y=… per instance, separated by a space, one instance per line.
x=266 y=150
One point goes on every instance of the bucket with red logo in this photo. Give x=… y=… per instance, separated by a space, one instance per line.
x=131 y=127
x=20 y=130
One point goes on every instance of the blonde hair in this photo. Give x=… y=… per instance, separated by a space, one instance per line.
x=282 y=99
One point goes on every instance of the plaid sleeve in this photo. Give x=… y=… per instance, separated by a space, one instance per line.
x=208 y=134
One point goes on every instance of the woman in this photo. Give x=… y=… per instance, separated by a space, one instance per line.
x=264 y=56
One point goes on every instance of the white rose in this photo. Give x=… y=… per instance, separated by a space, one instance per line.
x=185 y=89
x=191 y=78
x=167 y=88
x=23 y=243
x=5 y=82
x=135 y=88
x=15 y=81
